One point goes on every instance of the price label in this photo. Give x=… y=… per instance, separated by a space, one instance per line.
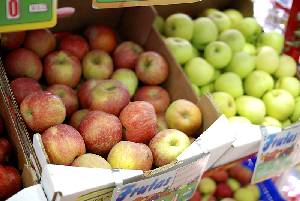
x=277 y=153
x=98 y=4
x=17 y=15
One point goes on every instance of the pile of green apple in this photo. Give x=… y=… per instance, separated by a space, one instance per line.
x=229 y=55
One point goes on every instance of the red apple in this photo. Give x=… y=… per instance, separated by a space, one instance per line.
x=151 y=68
x=1 y=126
x=61 y=67
x=91 y=161
x=184 y=116
x=156 y=95
x=161 y=122
x=223 y=191
x=85 y=90
x=241 y=174
x=23 y=63
x=75 y=44
x=109 y=96
x=100 y=131
x=167 y=145
x=12 y=40
x=130 y=155
x=101 y=37
x=63 y=144
x=219 y=175
x=23 y=87
x=40 y=41
x=41 y=110
x=67 y=95
x=5 y=150
x=196 y=196
x=139 y=120
x=77 y=117
x=11 y=181
x=97 y=64
x=59 y=36
x=126 y=54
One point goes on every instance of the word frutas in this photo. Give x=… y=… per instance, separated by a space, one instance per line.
x=274 y=141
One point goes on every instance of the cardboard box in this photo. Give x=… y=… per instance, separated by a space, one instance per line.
x=69 y=183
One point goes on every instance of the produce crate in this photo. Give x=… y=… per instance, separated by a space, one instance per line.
x=69 y=183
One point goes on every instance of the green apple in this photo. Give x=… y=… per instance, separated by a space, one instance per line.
x=196 y=89
x=225 y=103
x=249 y=28
x=296 y=113
x=179 y=25
x=208 y=88
x=128 y=78
x=220 y=19
x=199 y=71
x=181 y=49
x=270 y=121
x=255 y=190
x=242 y=64
x=207 y=186
x=287 y=66
x=244 y=194
x=252 y=108
x=208 y=11
x=218 y=54
x=280 y=104
x=250 y=49
x=286 y=123
x=239 y=120
x=231 y=83
x=235 y=16
x=232 y=183
x=257 y=83
x=195 y=52
x=291 y=84
x=272 y=39
x=234 y=39
x=159 y=24
x=267 y=60
x=216 y=74
x=205 y=31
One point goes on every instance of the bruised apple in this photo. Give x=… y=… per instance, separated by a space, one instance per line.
x=139 y=120
x=41 y=110
x=67 y=95
x=184 y=116
x=109 y=96
x=130 y=155
x=77 y=117
x=156 y=95
x=23 y=87
x=91 y=161
x=23 y=63
x=100 y=131
x=40 y=41
x=63 y=144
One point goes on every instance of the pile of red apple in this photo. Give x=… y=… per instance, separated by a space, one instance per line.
x=97 y=102
x=229 y=56
x=231 y=184
x=10 y=178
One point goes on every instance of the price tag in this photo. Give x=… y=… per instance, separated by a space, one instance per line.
x=98 y=4
x=17 y=15
x=178 y=184
x=277 y=153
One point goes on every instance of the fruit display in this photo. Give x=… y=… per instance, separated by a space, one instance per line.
x=232 y=184
x=229 y=56
x=10 y=177
x=97 y=101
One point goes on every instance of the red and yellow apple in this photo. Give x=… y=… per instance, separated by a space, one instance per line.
x=91 y=161
x=75 y=44
x=77 y=117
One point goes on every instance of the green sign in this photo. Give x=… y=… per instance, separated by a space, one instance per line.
x=16 y=15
